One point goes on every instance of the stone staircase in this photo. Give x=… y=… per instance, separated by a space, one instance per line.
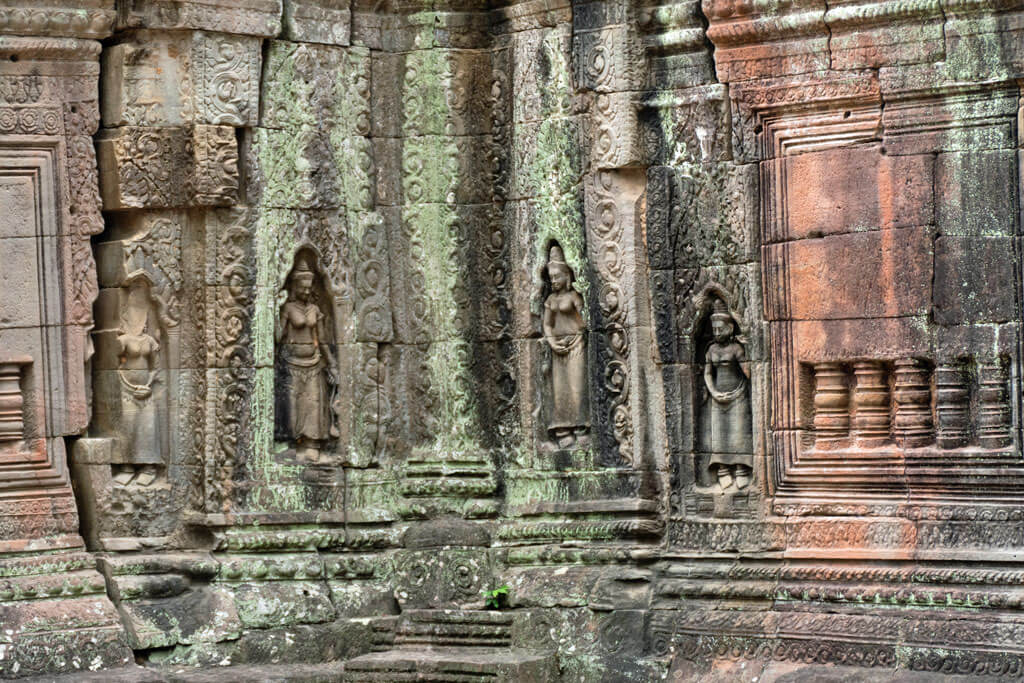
x=454 y=646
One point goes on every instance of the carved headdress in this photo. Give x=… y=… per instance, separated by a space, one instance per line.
x=556 y=261
x=302 y=271
x=719 y=311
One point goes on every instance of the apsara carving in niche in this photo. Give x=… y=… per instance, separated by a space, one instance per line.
x=725 y=414
x=565 y=333
x=307 y=370
x=142 y=388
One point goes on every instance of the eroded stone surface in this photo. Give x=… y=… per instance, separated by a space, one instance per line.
x=684 y=335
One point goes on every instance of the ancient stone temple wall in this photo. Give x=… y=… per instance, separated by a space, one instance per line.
x=694 y=328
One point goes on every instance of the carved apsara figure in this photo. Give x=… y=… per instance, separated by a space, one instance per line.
x=308 y=370
x=138 y=370
x=564 y=332
x=727 y=425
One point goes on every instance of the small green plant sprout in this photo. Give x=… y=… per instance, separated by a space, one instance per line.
x=497 y=598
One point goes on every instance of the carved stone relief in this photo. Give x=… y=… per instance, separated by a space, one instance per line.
x=142 y=372
x=725 y=424
x=635 y=311
x=306 y=368
x=565 y=334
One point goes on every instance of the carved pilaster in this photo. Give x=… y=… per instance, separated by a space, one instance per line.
x=831 y=406
x=952 y=406
x=993 y=404
x=870 y=404
x=912 y=422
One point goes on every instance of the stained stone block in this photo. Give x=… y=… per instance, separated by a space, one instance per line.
x=16 y=198
x=319 y=21
x=973 y=280
x=605 y=59
x=282 y=603
x=441 y=579
x=838 y=340
x=871 y=274
x=161 y=79
x=541 y=76
x=984 y=46
x=22 y=273
x=32 y=649
x=323 y=86
x=976 y=193
x=250 y=17
x=546 y=160
x=196 y=616
x=851 y=190
x=858 y=42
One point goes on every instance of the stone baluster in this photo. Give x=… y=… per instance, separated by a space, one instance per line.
x=952 y=406
x=993 y=404
x=912 y=420
x=831 y=406
x=870 y=404
x=12 y=419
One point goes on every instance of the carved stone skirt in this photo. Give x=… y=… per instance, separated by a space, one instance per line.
x=140 y=425
x=730 y=438
x=308 y=402
x=569 y=408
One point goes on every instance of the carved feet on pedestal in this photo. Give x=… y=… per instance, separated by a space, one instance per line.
x=736 y=477
x=143 y=475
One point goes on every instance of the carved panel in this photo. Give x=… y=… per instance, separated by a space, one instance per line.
x=149 y=167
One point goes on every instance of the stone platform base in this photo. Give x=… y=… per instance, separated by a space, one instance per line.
x=731 y=671
x=452 y=664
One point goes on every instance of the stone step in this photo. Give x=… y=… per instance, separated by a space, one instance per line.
x=453 y=665
x=465 y=628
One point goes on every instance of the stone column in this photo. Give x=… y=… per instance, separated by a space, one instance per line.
x=12 y=416
x=912 y=423
x=831 y=406
x=870 y=404
x=993 y=404
x=952 y=406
